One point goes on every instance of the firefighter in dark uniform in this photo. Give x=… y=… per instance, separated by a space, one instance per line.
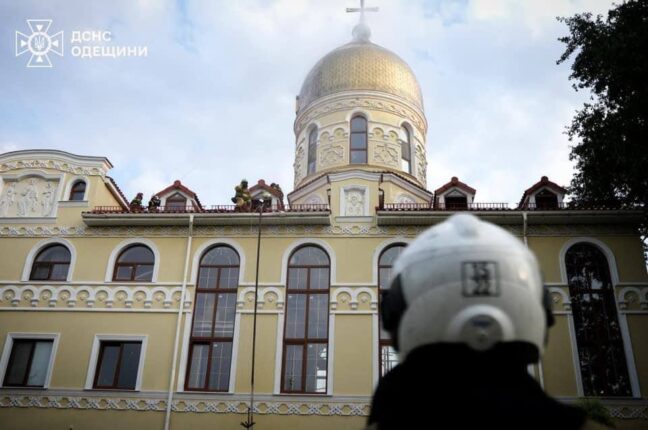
x=468 y=313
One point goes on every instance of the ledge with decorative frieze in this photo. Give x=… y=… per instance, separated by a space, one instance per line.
x=103 y=297
x=183 y=403
x=238 y=403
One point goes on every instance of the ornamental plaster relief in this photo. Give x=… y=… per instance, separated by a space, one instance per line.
x=633 y=298
x=421 y=169
x=53 y=165
x=327 y=407
x=331 y=155
x=386 y=153
x=354 y=299
x=28 y=197
x=354 y=202
x=91 y=297
x=618 y=409
x=299 y=167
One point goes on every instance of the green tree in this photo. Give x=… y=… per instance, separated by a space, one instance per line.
x=610 y=132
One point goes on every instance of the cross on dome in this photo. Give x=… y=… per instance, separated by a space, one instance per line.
x=361 y=32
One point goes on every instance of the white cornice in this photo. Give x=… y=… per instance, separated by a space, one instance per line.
x=54 y=160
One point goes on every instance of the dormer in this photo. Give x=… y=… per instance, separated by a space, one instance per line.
x=455 y=195
x=178 y=198
x=257 y=190
x=543 y=195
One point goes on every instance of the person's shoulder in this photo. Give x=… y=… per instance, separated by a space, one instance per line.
x=593 y=425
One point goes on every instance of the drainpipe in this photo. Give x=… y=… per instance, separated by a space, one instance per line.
x=167 y=416
x=526 y=243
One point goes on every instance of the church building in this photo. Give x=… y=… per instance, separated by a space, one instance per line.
x=115 y=313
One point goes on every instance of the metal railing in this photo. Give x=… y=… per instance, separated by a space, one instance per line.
x=214 y=209
x=410 y=207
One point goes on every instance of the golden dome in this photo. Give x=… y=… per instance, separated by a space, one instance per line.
x=360 y=65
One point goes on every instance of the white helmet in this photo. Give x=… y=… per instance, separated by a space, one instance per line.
x=466 y=281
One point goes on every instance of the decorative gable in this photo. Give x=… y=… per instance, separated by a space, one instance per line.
x=177 y=197
x=454 y=195
x=543 y=195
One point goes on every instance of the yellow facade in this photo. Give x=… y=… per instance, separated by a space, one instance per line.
x=349 y=218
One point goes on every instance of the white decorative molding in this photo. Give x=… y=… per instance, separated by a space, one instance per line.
x=54 y=160
x=266 y=295
x=189 y=403
x=560 y=298
x=101 y=297
x=236 y=404
x=628 y=296
x=123 y=245
x=29 y=261
x=338 y=295
x=94 y=355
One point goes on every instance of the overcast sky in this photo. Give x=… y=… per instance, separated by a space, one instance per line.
x=213 y=102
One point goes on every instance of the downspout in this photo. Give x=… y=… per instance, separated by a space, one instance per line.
x=526 y=243
x=167 y=415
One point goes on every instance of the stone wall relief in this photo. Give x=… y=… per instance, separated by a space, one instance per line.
x=331 y=154
x=386 y=153
x=299 y=164
x=28 y=197
x=354 y=201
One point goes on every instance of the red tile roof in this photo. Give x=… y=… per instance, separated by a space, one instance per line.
x=455 y=182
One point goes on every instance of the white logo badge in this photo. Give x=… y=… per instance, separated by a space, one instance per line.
x=39 y=43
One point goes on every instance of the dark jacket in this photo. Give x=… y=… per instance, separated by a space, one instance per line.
x=452 y=386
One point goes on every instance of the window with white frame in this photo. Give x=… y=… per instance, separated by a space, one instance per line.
x=27 y=360
x=116 y=362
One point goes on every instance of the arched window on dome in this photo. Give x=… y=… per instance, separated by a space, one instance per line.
x=51 y=264
x=212 y=332
x=305 y=342
x=77 y=192
x=134 y=264
x=358 y=153
x=603 y=366
x=406 y=151
x=387 y=357
x=312 y=150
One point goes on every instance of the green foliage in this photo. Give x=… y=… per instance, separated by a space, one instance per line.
x=611 y=131
x=595 y=411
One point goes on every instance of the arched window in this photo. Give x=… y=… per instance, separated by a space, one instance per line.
x=406 y=151
x=387 y=358
x=358 y=140
x=312 y=151
x=77 y=192
x=212 y=333
x=603 y=366
x=305 y=343
x=51 y=264
x=135 y=263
